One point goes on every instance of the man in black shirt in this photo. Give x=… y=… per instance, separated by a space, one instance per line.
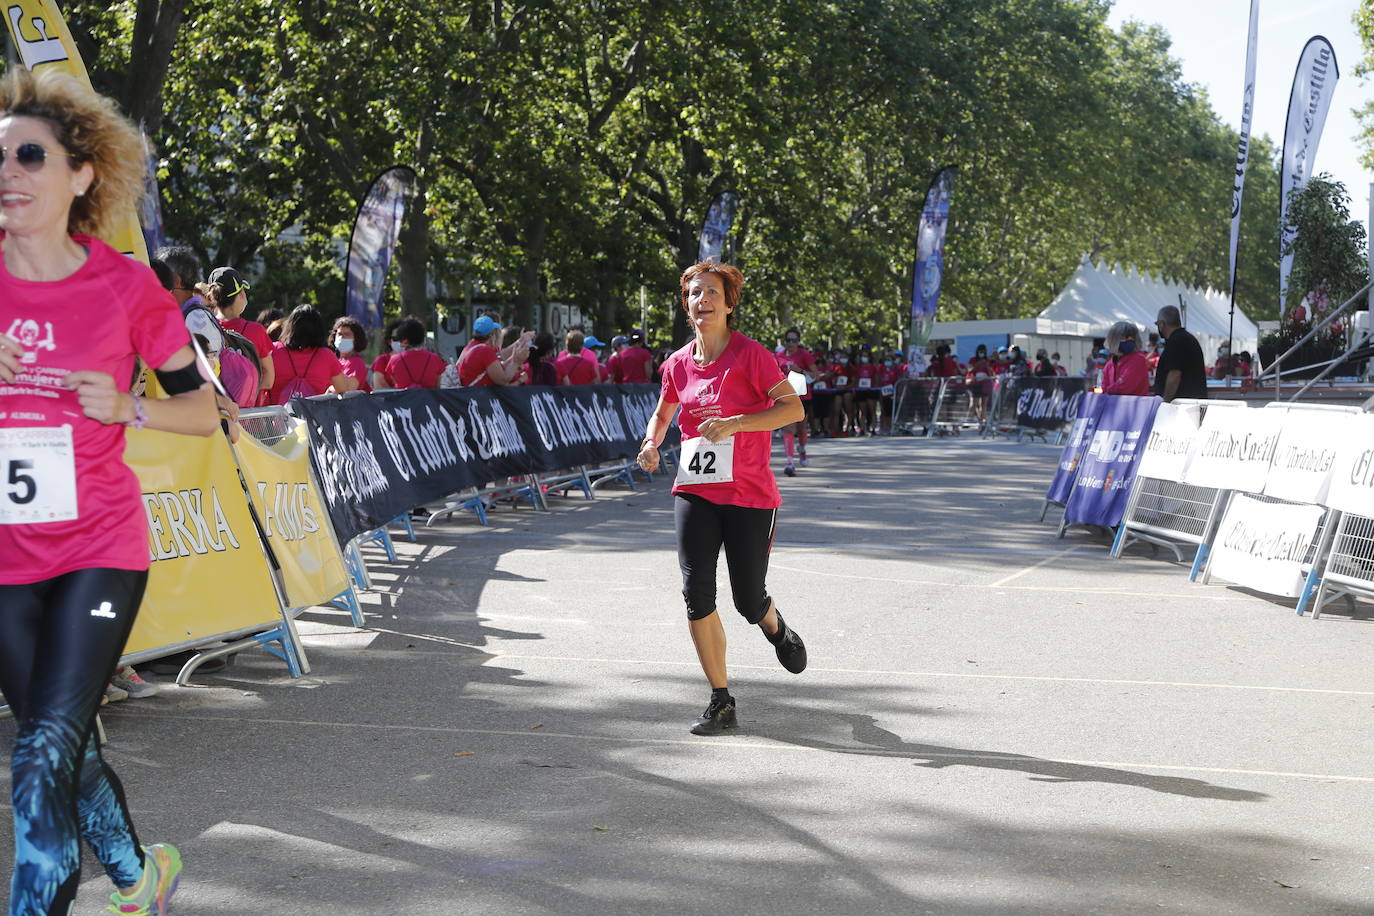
x=1181 y=373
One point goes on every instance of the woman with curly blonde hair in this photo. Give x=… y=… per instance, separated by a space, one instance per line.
x=74 y=313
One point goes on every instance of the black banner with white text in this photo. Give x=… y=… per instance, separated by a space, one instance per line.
x=379 y=455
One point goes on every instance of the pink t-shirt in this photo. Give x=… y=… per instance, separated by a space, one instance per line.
x=254 y=332
x=633 y=364
x=580 y=371
x=415 y=369
x=473 y=363
x=736 y=383
x=318 y=365
x=112 y=308
x=354 y=366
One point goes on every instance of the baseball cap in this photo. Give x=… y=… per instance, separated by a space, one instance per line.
x=1001 y=349
x=591 y=341
x=228 y=278
x=636 y=334
x=619 y=339
x=484 y=325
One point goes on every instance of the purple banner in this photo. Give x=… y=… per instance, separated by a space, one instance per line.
x=1107 y=469
x=715 y=241
x=374 y=241
x=150 y=207
x=929 y=272
x=1079 y=436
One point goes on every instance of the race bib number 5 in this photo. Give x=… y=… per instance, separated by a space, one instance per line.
x=702 y=461
x=37 y=475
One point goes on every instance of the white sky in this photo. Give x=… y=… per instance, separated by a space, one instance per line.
x=1209 y=40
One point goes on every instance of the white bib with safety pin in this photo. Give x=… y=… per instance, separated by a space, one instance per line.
x=37 y=475
x=703 y=461
x=865 y=383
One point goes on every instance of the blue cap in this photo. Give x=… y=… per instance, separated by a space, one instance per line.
x=484 y=325
x=591 y=341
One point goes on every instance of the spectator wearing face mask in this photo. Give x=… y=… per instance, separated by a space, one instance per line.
x=1060 y=369
x=1043 y=367
x=1126 y=371
x=842 y=380
x=889 y=372
x=865 y=395
x=349 y=339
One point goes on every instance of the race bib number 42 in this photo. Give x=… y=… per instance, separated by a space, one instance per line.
x=703 y=461
x=37 y=475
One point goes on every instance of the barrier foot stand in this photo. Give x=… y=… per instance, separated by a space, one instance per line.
x=537 y=497
x=1332 y=528
x=100 y=737
x=357 y=566
x=586 y=482
x=1044 y=510
x=1118 y=542
x=347 y=600
x=404 y=521
x=1063 y=524
x=383 y=537
x=1202 y=565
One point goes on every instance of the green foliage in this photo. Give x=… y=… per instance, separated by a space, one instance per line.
x=1328 y=247
x=567 y=151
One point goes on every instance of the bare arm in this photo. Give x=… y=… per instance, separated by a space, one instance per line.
x=342 y=383
x=191 y=413
x=269 y=372
x=787 y=409
x=654 y=433
x=1171 y=383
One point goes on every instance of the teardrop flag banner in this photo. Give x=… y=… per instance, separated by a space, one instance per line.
x=375 y=232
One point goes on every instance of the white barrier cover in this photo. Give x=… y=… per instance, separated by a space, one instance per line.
x=1234 y=449
x=1172 y=439
x=1352 y=478
x=1262 y=545
x=1308 y=447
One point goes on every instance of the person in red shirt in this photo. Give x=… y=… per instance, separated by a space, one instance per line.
x=305 y=365
x=377 y=371
x=349 y=339
x=480 y=363
x=732 y=395
x=889 y=373
x=633 y=364
x=981 y=371
x=1127 y=371
x=227 y=295
x=944 y=365
x=576 y=368
x=866 y=394
x=73 y=531
x=796 y=358
x=414 y=366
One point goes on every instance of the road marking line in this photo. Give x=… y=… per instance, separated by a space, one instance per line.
x=1032 y=568
x=736 y=743
x=1200 y=595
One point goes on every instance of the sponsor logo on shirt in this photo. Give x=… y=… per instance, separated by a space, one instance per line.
x=33 y=337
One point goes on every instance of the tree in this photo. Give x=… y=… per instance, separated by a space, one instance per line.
x=1328 y=247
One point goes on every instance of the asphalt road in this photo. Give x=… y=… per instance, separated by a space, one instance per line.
x=995 y=721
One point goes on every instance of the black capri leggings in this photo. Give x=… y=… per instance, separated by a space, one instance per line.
x=747 y=535
x=60 y=640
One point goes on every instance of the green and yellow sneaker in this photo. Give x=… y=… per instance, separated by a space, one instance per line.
x=152 y=896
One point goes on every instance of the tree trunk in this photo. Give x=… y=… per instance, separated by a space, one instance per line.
x=413 y=254
x=529 y=291
x=156 y=23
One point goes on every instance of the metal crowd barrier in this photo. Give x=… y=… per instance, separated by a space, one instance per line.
x=939 y=406
x=1349 y=568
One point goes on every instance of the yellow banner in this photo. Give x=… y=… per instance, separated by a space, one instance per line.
x=43 y=40
x=208 y=574
x=288 y=503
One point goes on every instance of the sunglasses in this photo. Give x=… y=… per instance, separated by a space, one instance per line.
x=31 y=155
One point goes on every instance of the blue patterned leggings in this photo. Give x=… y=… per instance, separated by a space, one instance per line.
x=60 y=640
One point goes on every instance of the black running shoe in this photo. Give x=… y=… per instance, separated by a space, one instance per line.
x=790 y=471
x=717 y=718
x=789 y=646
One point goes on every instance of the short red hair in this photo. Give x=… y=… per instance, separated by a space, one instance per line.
x=731 y=281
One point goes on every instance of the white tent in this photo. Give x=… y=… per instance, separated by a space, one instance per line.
x=1099 y=296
